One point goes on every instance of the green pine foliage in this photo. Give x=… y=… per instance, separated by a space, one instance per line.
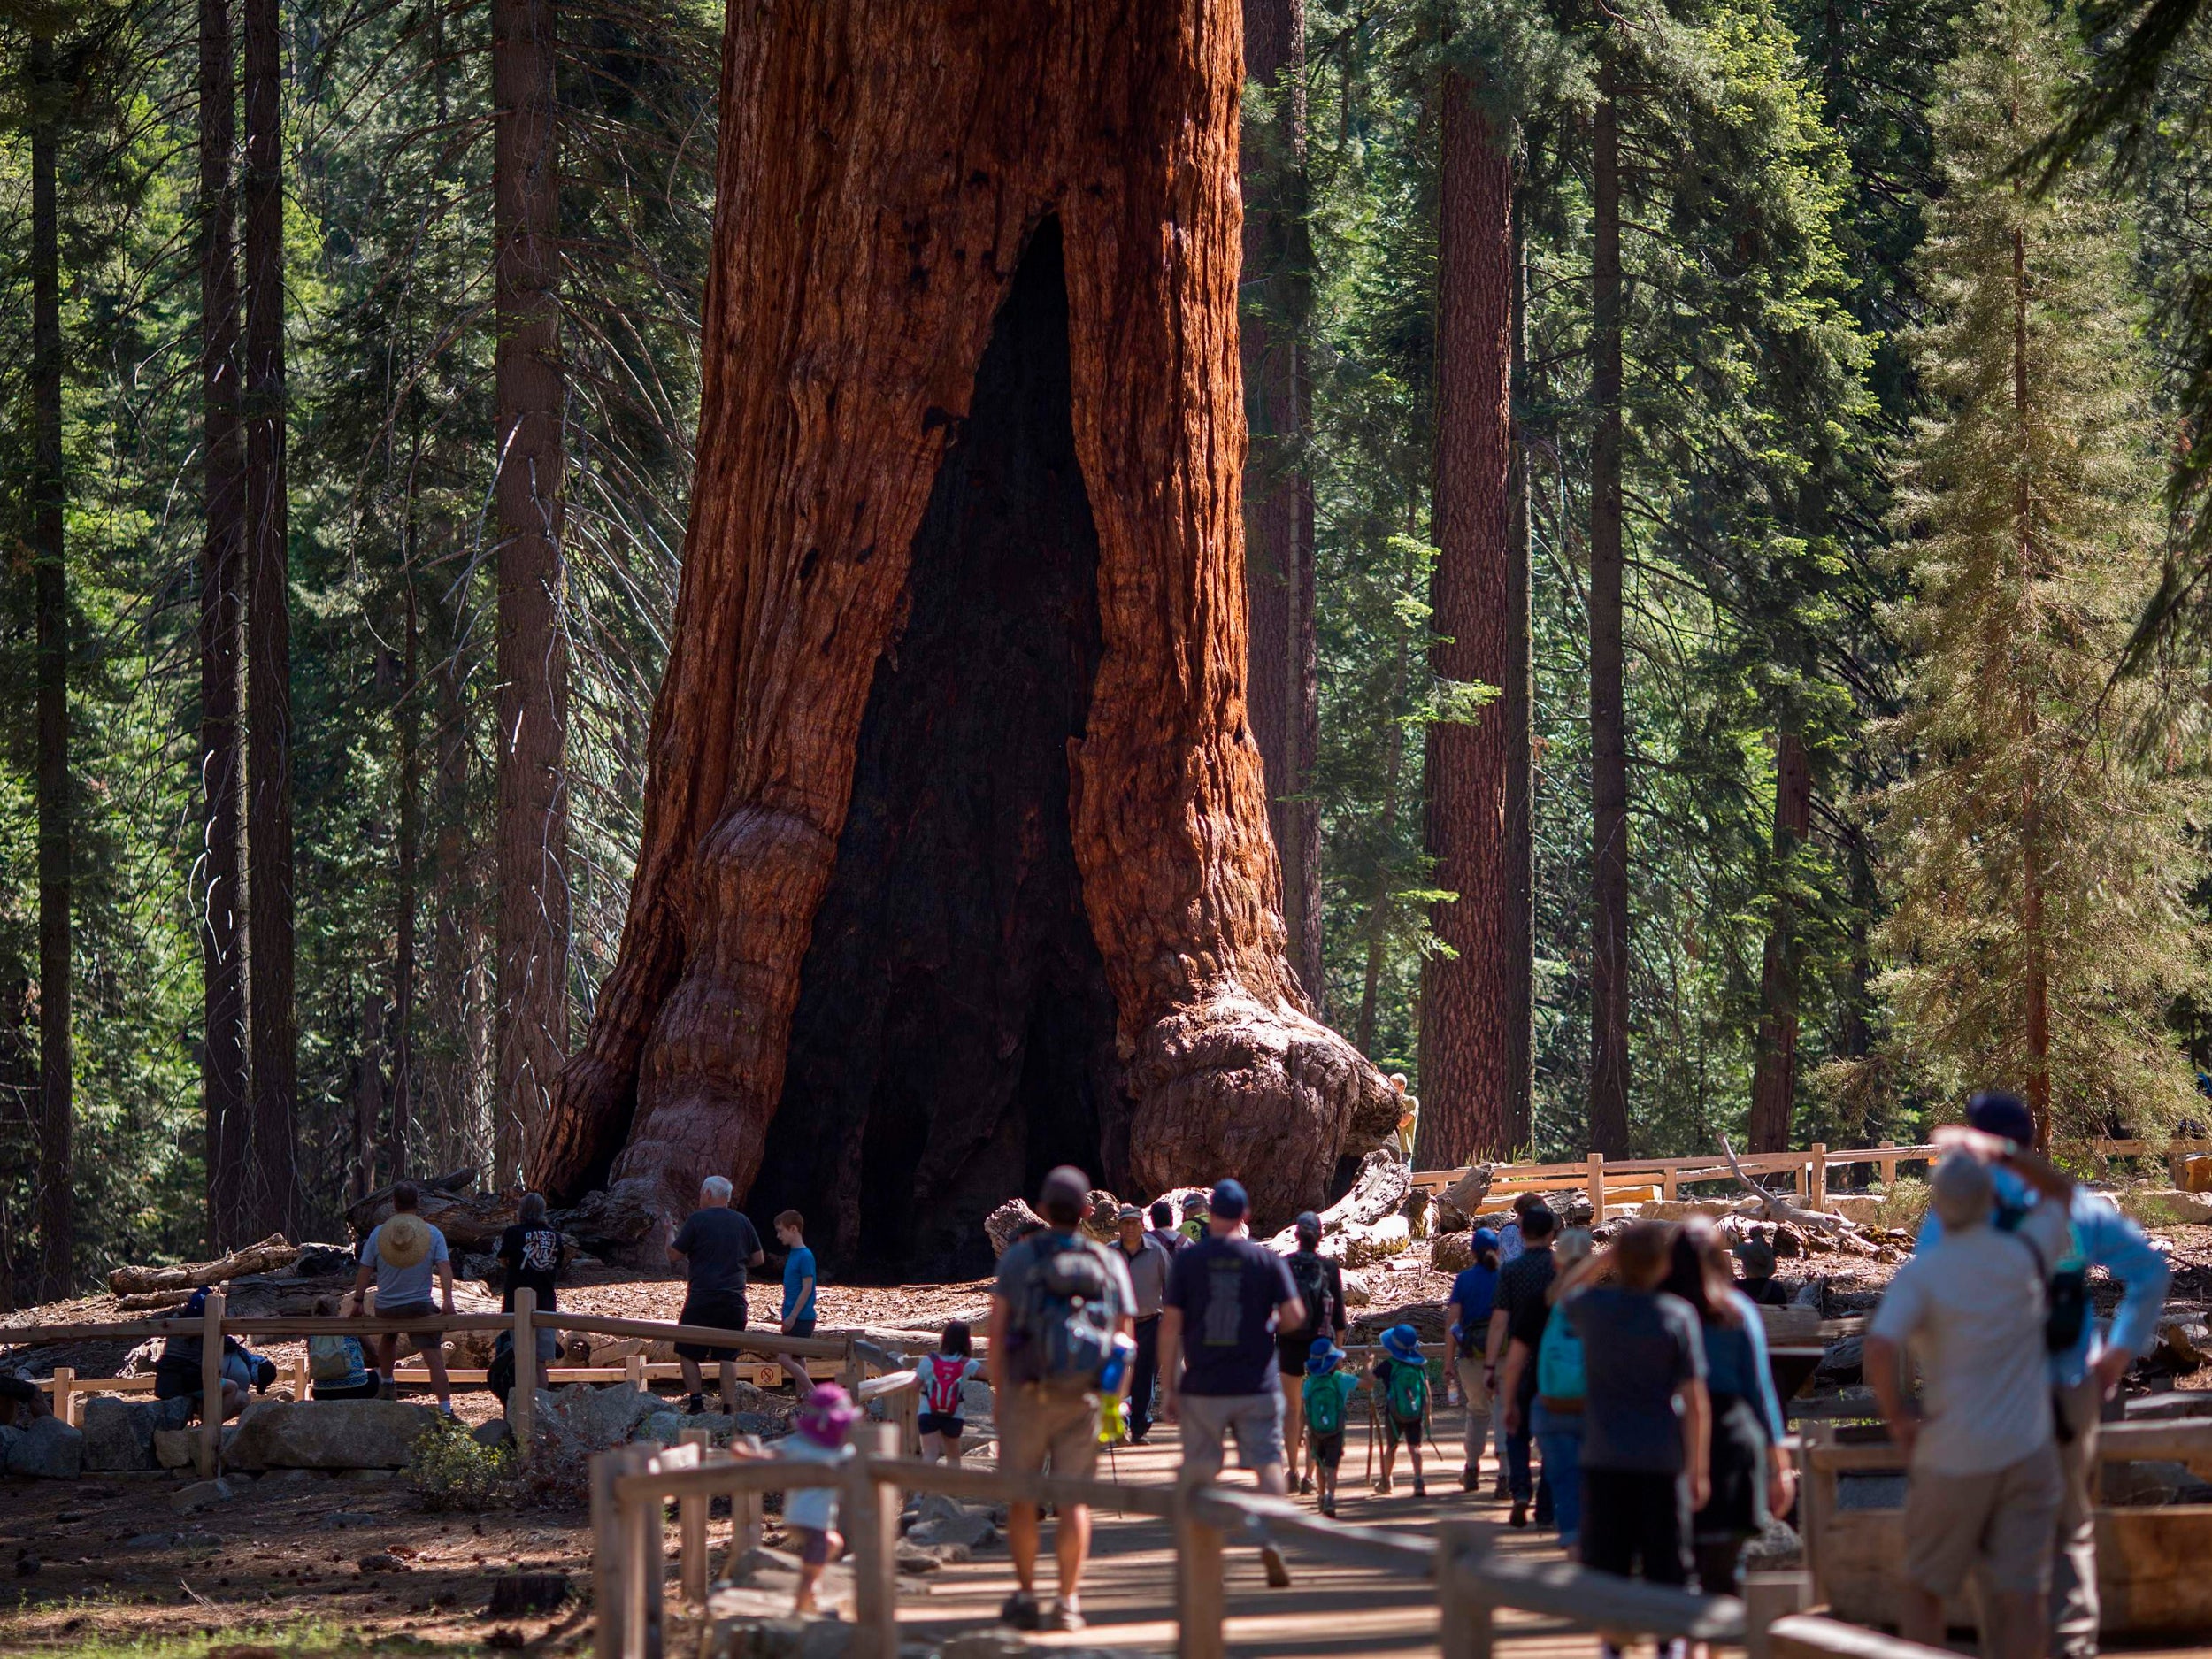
x=2032 y=535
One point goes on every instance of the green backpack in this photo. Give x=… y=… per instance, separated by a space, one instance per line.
x=1324 y=1404
x=1409 y=1391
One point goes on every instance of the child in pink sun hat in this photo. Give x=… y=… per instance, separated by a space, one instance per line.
x=810 y=1513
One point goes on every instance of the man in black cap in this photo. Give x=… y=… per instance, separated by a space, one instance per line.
x=1059 y=1296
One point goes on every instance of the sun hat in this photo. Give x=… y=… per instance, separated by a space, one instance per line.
x=403 y=1240
x=825 y=1414
x=1402 y=1342
x=1323 y=1357
x=1230 y=1201
x=1484 y=1238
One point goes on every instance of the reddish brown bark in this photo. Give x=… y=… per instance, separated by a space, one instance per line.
x=1283 y=678
x=1468 y=999
x=222 y=622
x=272 y=1195
x=859 y=274
x=1774 y=1071
x=1608 y=731
x=533 y=834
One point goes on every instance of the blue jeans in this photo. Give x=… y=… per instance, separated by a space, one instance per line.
x=1521 y=1481
x=1559 y=1436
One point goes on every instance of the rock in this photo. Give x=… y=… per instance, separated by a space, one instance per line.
x=911 y=1558
x=152 y=1540
x=975 y=1398
x=382 y=1561
x=2167 y=1209
x=494 y=1434
x=328 y=1434
x=1777 y=1549
x=201 y=1494
x=1844 y=1360
x=600 y=1417
x=515 y=1595
x=294 y=1478
x=1003 y=1225
x=780 y=1639
x=1451 y=1252
x=119 y=1434
x=2196 y=1172
x=174 y=1449
x=48 y=1450
x=939 y=1520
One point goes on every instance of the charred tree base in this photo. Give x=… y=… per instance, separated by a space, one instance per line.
x=955 y=1035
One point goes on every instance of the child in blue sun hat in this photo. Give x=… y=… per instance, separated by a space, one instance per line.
x=1324 y=1394
x=1402 y=1383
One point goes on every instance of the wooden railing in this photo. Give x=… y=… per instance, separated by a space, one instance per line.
x=1596 y=1174
x=630 y=1484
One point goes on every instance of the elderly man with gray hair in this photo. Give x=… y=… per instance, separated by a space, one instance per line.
x=1986 y=1483
x=715 y=1245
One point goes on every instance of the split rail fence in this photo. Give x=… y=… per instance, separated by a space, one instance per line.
x=632 y=1485
x=1608 y=1179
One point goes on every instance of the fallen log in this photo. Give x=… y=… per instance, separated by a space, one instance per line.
x=272 y=1251
x=365 y=1213
x=1773 y=1207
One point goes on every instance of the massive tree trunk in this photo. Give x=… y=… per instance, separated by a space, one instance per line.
x=1284 y=691
x=1468 y=1001
x=271 y=1199
x=532 y=838
x=223 y=937
x=1774 y=1071
x=57 y=1200
x=956 y=858
x=1609 y=730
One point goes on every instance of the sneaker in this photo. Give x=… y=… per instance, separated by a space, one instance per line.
x=1520 y=1516
x=695 y=1405
x=1420 y=1487
x=446 y=1411
x=1305 y=1485
x=1278 y=1573
x=1328 y=1508
x=1019 y=1610
x=1382 y=1487
x=1501 y=1489
x=1067 y=1616
x=1469 y=1479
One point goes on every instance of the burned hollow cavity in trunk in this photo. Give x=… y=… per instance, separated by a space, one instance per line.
x=954 y=1036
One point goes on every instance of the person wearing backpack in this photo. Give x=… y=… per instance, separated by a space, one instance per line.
x=940 y=1377
x=2085 y=1361
x=1060 y=1312
x=1467 y=1323
x=1401 y=1384
x=1323 y=1396
x=1226 y=1300
x=1555 y=1416
x=1320 y=1285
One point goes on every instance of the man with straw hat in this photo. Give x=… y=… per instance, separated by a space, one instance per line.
x=402 y=1253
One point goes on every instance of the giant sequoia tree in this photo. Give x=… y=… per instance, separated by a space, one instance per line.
x=956 y=858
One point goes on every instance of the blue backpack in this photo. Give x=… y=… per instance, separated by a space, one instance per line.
x=1066 y=1322
x=1559 y=1369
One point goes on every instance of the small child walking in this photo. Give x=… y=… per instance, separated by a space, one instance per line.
x=1323 y=1394
x=941 y=1375
x=826 y=1418
x=1401 y=1388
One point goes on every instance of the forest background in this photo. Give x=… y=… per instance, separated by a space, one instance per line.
x=1753 y=251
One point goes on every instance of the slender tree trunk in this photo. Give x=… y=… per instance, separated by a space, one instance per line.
x=368 y=1096
x=454 y=1068
x=409 y=723
x=2035 y=943
x=1279 y=526
x=1608 y=731
x=272 y=1174
x=984 y=321
x=1378 y=904
x=1517 y=710
x=1468 y=1003
x=223 y=935
x=532 y=837
x=57 y=1203
x=1774 y=1070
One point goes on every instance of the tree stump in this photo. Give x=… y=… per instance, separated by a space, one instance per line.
x=955 y=859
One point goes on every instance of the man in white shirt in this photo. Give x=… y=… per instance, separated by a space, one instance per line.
x=1986 y=1483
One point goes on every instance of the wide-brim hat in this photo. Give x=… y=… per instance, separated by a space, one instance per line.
x=1323 y=1357
x=825 y=1414
x=403 y=1240
x=1402 y=1342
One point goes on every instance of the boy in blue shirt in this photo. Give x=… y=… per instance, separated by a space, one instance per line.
x=798 y=1294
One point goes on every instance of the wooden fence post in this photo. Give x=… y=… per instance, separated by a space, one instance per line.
x=872 y=1529
x=211 y=1387
x=65 y=1394
x=641 y=1623
x=1597 y=1189
x=1768 y=1596
x=691 y=1521
x=522 y=1404
x=850 y=1369
x=607 y=1599
x=1463 y=1614
x=1668 y=1188
x=1817 y=1180
x=907 y=1403
x=1199 y=1606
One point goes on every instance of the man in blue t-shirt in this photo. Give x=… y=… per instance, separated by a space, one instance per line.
x=798 y=1292
x=1226 y=1299
x=1467 y=1320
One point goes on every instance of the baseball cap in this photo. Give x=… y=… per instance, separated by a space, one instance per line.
x=1308 y=1224
x=1129 y=1212
x=1995 y=1112
x=1230 y=1201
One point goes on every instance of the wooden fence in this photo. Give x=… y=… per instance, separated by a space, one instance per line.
x=630 y=1486
x=1609 y=1179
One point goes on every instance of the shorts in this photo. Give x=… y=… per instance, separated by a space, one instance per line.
x=1036 y=1429
x=1395 y=1430
x=937 y=1422
x=814 y=1545
x=722 y=1309
x=1206 y=1420
x=1328 y=1449
x=2001 y=1523
x=801 y=1327
x=423 y=1344
x=1293 y=1352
